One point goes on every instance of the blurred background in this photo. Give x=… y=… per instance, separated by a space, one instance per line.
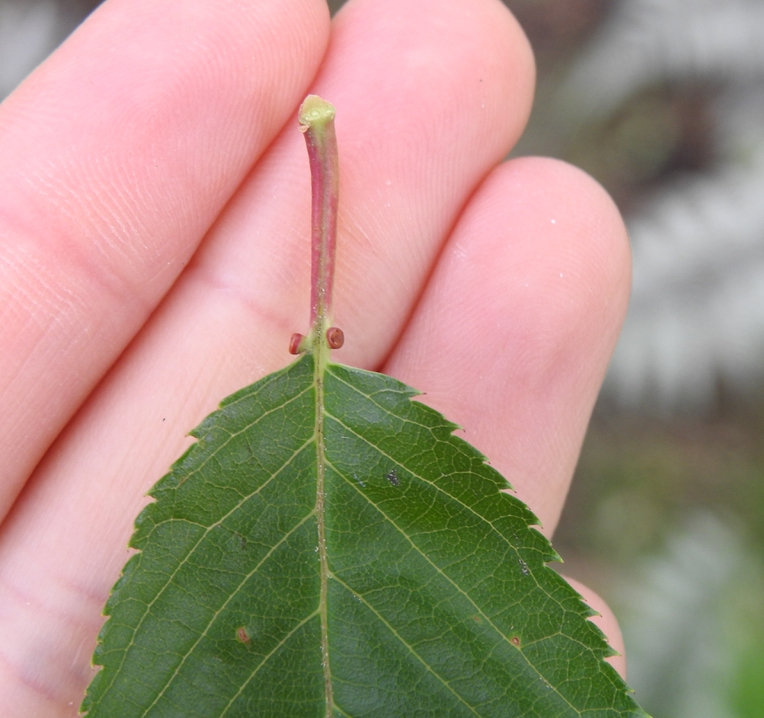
x=662 y=101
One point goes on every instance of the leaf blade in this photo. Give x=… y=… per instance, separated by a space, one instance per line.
x=474 y=504
x=227 y=611
x=231 y=538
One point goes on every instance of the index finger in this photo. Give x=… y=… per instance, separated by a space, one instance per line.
x=111 y=173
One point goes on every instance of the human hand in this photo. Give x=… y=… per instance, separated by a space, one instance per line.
x=155 y=258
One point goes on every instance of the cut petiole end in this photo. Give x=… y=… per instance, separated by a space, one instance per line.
x=315 y=112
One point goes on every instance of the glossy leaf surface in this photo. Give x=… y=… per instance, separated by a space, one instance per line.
x=328 y=547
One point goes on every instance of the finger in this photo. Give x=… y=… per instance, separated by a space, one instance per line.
x=229 y=317
x=515 y=330
x=429 y=97
x=118 y=153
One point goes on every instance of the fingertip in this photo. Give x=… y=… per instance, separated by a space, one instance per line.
x=463 y=56
x=558 y=214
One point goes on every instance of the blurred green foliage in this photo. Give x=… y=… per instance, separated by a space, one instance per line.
x=748 y=686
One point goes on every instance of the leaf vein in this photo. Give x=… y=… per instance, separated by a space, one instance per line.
x=410 y=648
x=191 y=551
x=440 y=490
x=266 y=658
x=234 y=593
x=233 y=435
x=445 y=575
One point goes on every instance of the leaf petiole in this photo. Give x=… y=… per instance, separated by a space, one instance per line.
x=316 y=118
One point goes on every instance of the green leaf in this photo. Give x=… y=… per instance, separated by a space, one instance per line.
x=328 y=547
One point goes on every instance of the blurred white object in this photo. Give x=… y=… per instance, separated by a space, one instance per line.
x=647 y=41
x=679 y=655
x=697 y=310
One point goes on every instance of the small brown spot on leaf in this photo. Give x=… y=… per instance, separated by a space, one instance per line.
x=242 y=635
x=515 y=641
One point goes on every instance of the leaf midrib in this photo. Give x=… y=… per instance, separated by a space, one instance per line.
x=320 y=361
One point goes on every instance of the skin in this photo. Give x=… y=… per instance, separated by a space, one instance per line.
x=154 y=257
